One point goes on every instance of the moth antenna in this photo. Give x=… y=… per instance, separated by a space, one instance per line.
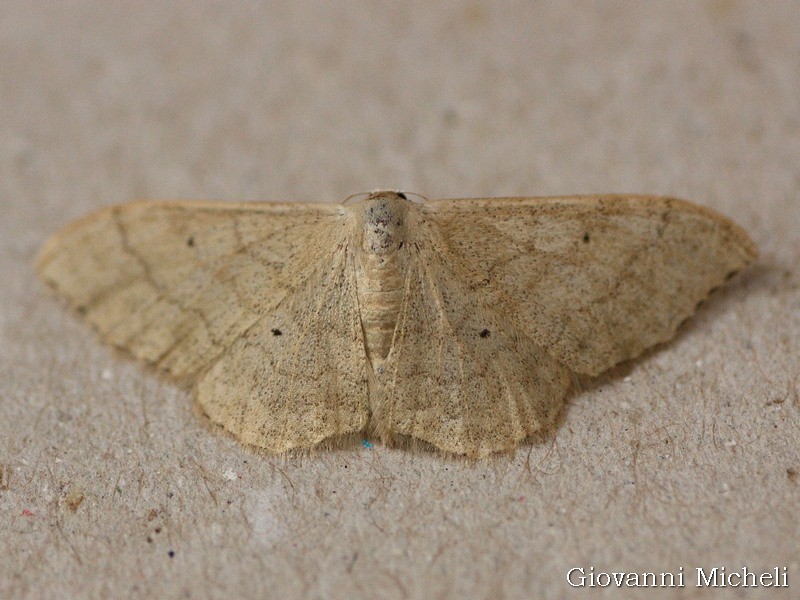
x=402 y=193
x=424 y=199
x=356 y=195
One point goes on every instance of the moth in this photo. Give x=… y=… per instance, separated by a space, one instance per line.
x=461 y=323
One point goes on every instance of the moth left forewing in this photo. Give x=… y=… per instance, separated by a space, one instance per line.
x=594 y=280
x=458 y=376
x=175 y=283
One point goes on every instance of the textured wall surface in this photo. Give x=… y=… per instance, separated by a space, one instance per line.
x=111 y=486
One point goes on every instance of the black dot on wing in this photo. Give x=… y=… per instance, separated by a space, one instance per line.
x=485 y=333
x=277 y=332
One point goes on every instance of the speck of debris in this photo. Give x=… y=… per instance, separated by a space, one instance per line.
x=366 y=443
x=157 y=529
x=230 y=475
x=107 y=375
x=149 y=540
x=277 y=332
x=171 y=553
x=485 y=333
x=74 y=498
x=28 y=513
x=586 y=238
x=152 y=514
x=793 y=475
x=190 y=241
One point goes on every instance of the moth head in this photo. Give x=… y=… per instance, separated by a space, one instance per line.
x=387 y=194
x=383 y=215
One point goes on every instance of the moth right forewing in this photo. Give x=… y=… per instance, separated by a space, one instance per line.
x=594 y=280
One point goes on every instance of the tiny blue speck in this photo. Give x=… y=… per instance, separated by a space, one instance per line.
x=366 y=443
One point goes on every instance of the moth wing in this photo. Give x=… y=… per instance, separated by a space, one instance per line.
x=459 y=376
x=299 y=375
x=594 y=280
x=176 y=283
